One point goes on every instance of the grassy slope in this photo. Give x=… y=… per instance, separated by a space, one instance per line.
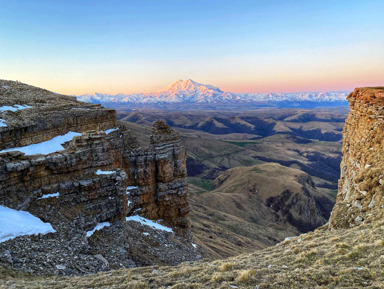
x=345 y=258
x=234 y=217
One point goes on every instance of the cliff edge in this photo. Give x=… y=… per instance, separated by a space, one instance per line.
x=360 y=196
x=110 y=203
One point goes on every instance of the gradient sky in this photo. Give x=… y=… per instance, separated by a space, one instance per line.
x=76 y=47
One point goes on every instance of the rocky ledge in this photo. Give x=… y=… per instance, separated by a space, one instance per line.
x=360 y=197
x=111 y=203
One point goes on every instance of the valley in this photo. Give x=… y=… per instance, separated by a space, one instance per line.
x=282 y=154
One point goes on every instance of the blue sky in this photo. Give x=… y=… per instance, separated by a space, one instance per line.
x=76 y=47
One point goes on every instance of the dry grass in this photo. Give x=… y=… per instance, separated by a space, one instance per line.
x=345 y=258
x=227 y=266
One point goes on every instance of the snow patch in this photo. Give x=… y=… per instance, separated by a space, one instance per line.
x=3 y=123
x=20 y=223
x=45 y=147
x=108 y=131
x=149 y=223
x=130 y=188
x=81 y=108
x=98 y=227
x=194 y=245
x=55 y=195
x=288 y=238
x=15 y=107
x=60 y=267
x=100 y=172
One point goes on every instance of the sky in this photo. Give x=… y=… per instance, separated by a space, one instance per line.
x=78 y=47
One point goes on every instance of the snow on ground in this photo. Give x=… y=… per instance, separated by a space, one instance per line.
x=55 y=195
x=45 y=147
x=99 y=226
x=194 y=245
x=130 y=188
x=128 y=191
x=149 y=223
x=108 y=131
x=100 y=172
x=15 y=107
x=19 y=223
x=3 y=123
x=82 y=108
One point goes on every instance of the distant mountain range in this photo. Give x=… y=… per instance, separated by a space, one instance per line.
x=184 y=92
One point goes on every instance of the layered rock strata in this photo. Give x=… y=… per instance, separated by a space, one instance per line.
x=361 y=186
x=99 y=176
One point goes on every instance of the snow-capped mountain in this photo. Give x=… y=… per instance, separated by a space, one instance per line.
x=189 y=91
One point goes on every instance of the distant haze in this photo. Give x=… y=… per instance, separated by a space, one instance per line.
x=79 y=47
x=184 y=93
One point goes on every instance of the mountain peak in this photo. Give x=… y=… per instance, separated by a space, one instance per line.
x=184 y=85
x=190 y=91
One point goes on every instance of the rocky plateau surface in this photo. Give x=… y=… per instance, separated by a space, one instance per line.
x=111 y=203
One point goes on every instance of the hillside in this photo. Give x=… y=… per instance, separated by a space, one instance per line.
x=258 y=206
x=343 y=258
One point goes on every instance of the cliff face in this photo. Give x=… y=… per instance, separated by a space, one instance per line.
x=361 y=186
x=161 y=174
x=100 y=175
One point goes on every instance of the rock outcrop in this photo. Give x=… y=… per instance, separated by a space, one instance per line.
x=99 y=176
x=361 y=186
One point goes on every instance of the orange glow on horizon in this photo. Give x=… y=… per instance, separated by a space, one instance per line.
x=283 y=86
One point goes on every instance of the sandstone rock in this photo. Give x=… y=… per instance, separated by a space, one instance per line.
x=361 y=194
x=90 y=178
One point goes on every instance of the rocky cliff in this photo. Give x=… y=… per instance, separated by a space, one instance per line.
x=73 y=165
x=360 y=197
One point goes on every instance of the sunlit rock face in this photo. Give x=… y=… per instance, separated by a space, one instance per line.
x=361 y=186
x=71 y=164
